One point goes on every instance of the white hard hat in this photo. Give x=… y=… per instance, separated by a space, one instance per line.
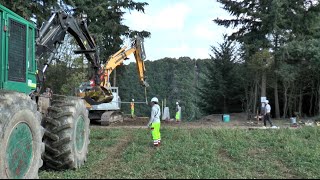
x=132 y=99
x=177 y=103
x=154 y=99
x=267 y=101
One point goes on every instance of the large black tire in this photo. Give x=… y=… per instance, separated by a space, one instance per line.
x=66 y=133
x=21 y=145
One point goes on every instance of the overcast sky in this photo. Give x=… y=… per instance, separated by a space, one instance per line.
x=179 y=27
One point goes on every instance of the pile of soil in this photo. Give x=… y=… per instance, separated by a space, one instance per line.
x=136 y=121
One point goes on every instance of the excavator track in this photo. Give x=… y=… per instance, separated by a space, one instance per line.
x=111 y=117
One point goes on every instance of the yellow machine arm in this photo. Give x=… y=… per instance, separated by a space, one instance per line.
x=102 y=94
x=116 y=59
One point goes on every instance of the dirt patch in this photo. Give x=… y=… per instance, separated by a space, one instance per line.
x=114 y=156
x=218 y=117
x=215 y=121
x=257 y=151
x=225 y=157
x=286 y=172
x=137 y=121
x=212 y=121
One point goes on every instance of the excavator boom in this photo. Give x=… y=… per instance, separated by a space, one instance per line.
x=137 y=48
x=140 y=56
x=92 y=96
x=109 y=112
x=51 y=36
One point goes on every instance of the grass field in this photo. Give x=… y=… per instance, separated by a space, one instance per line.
x=200 y=153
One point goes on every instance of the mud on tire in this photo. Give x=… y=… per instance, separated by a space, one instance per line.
x=66 y=133
x=20 y=136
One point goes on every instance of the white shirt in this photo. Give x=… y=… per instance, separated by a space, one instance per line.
x=178 y=109
x=155 y=114
x=268 y=108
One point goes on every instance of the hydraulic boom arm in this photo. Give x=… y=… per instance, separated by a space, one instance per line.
x=52 y=34
x=116 y=59
x=137 y=48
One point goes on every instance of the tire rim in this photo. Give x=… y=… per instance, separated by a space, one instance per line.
x=19 y=152
x=80 y=133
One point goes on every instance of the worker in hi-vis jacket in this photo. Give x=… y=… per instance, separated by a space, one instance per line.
x=178 y=113
x=154 y=123
x=132 y=108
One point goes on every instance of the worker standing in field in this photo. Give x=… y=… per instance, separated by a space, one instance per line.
x=178 y=113
x=267 y=113
x=154 y=122
x=132 y=108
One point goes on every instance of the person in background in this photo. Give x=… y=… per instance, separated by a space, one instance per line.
x=132 y=108
x=48 y=92
x=178 y=113
x=154 y=122
x=267 y=114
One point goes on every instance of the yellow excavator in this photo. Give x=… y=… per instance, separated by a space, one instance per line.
x=110 y=110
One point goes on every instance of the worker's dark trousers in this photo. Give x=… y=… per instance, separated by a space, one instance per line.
x=267 y=118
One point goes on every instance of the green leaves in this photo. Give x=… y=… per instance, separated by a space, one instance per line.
x=261 y=60
x=105 y=21
x=27 y=8
x=279 y=36
x=104 y=16
x=220 y=88
x=169 y=78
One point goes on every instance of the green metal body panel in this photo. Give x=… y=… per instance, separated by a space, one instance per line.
x=17 y=59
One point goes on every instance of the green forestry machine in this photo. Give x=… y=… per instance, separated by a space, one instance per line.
x=37 y=129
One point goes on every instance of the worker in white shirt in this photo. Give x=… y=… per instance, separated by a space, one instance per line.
x=154 y=122
x=267 y=112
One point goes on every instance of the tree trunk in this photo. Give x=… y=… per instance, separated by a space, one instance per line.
x=285 y=102
x=276 y=98
x=247 y=107
x=311 y=102
x=300 y=102
x=318 y=98
x=263 y=84
x=296 y=98
x=224 y=105
x=255 y=98
x=251 y=97
x=291 y=101
x=276 y=95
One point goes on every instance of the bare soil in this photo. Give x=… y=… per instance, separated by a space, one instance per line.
x=237 y=120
